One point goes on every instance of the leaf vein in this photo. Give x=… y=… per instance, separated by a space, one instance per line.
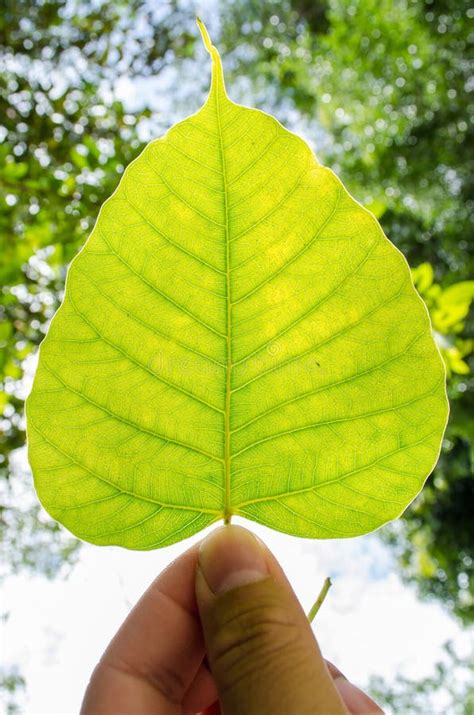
x=191 y=158
x=140 y=364
x=131 y=423
x=184 y=201
x=300 y=253
x=168 y=239
x=274 y=208
x=338 y=420
x=337 y=479
x=330 y=385
x=133 y=317
x=310 y=310
x=318 y=346
x=256 y=160
x=101 y=478
x=165 y=296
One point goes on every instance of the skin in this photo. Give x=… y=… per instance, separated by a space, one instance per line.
x=220 y=631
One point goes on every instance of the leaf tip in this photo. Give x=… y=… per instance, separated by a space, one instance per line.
x=205 y=35
x=218 y=73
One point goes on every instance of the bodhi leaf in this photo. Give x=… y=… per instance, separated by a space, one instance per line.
x=237 y=337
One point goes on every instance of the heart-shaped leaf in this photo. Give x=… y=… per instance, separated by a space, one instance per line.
x=238 y=337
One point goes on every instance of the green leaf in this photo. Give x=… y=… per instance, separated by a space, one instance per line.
x=423 y=276
x=238 y=337
x=459 y=294
x=377 y=207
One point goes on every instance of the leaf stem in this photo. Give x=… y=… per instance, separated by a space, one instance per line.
x=320 y=599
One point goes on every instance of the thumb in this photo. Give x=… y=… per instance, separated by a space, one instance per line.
x=260 y=646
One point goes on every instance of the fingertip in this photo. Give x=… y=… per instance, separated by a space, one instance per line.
x=231 y=556
x=358 y=702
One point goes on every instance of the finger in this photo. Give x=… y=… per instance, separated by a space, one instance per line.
x=260 y=646
x=201 y=693
x=156 y=654
x=357 y=702
x=214 y=709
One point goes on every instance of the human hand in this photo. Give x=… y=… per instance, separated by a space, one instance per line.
x=221 y=623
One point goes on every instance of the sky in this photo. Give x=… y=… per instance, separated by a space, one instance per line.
x=370 y=624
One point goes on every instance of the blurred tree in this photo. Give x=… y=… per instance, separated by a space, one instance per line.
x=12 y=684
x=450 y=689
x=64 y=141
x=435 y=541
x=390 y=84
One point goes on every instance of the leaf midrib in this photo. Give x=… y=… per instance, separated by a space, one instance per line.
x=229 y=364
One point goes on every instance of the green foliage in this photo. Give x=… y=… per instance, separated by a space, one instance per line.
x=436 y=545
x=449 y=308
x=265 y=356
x=12 y=683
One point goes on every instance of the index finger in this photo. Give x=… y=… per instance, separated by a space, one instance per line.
x=156 y=654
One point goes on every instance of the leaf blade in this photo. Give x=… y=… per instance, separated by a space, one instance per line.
x=238 y=336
